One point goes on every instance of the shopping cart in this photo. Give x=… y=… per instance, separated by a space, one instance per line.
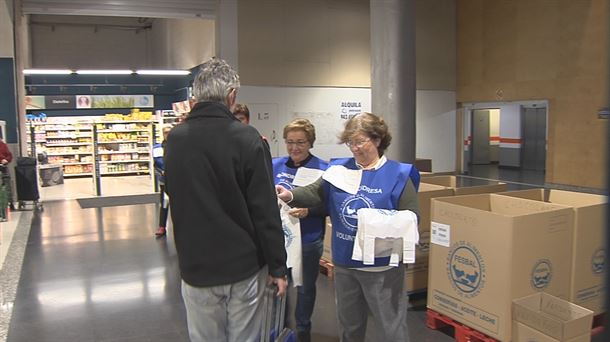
x=272 y=328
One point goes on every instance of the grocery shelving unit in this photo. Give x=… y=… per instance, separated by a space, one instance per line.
x=121 y=148
x=124 y=147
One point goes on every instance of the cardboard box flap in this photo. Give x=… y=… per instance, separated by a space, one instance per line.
x=512 y=206
x=552 y=316
x=569 y=198
x=574 y=199
x=425 y=187
x=466 y=186
x=502 y=205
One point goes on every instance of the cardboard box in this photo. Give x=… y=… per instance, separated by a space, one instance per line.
x=488 y=249
x=328 y=237
x=588 y=250
x=541 y=317
x=51 y=174
x=417 y=273
x=458 y=190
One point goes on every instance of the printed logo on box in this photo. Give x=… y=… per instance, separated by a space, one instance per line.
x=349 y=210
x=598 y=261
x=542 y=272
x=466 y=269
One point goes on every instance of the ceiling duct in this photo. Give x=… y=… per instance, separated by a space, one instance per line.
x=124 y=8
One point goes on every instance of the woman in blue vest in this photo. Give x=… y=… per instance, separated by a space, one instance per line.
x=384 y=184
x=299 y=136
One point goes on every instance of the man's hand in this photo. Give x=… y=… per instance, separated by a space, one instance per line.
x=283 y=193
x=282 y=284
x=299 y=212
x=4 y=161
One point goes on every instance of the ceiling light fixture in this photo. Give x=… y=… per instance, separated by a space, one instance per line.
x=47 y=71
x=104 y=72
x=163 y=72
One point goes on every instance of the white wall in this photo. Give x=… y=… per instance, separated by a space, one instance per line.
x=435 y=118
x=181 y=43
x=6 y=28
x=510 y=122
x=436 y=128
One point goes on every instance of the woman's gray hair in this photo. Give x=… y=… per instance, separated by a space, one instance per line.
x=214 y=81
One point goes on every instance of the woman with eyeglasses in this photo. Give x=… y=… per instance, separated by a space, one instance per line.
x=384 y=184
x=299 y=136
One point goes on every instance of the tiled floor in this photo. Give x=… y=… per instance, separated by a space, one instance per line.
x=99 y=275
x=74 y=188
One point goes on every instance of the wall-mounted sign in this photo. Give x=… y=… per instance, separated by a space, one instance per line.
x=89 y=101
x=59 y=102
x=349 y=109
x=34 y=102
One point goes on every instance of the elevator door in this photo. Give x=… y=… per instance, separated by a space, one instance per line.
x=480 y=136
x=533 y=148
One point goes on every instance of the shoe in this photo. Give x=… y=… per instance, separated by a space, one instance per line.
x=304 y=336
x=160 y=232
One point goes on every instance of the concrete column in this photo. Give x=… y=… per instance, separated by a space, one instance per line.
x=23 y=60
x=393 y=72
x=226 y=32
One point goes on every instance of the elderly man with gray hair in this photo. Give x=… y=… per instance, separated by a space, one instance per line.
x=227 y=224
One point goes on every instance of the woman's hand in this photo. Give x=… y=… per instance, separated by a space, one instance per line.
x=283 y=193
x=299 y=212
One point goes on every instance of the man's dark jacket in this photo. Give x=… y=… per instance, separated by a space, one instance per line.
x=223 y=204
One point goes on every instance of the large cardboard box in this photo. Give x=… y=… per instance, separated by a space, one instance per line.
x=328 y=237
x=416 y=275
x=544 y=318
x=488 y=249
x=452 y=182
x=588 y=250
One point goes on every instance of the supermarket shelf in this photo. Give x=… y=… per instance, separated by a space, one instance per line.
x=68 y=144
x=122 y=130
x=123 y=172
x=76 y=163
x=66 y=153
x=75 y=136
x=122 y=152
x=77 y=174
x=117 y=141
x=124 y=161
x=68 y=129
x=122 y=122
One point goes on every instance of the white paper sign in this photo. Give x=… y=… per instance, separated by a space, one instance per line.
x=343 y=178
x=306 y=176
x=440 y=234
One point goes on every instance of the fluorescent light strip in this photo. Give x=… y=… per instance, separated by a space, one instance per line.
x=46 y=71
x=104 y=72
x=163 y=72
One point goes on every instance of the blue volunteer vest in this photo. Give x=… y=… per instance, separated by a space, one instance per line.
x=312 y=228
x=380 y=189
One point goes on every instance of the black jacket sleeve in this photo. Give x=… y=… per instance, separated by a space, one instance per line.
x=263 y=208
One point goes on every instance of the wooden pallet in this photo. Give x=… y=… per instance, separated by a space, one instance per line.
x=462 y=333
x=598 y=324
x=327 y=268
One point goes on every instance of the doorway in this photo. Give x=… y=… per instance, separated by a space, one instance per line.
x=533 y=135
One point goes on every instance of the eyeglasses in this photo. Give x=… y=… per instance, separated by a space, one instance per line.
x=358 y=143
x=298 y=143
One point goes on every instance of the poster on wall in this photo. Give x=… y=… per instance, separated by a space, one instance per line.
x=349 y=109
x=34 y=102
x=122 y=101
x=83 y=101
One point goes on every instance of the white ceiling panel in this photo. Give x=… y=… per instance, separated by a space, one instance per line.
x=124 y=8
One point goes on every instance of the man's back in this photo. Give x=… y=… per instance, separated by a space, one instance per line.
x=218 y=176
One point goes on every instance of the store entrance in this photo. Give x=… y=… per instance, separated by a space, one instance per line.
x=92 y=156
